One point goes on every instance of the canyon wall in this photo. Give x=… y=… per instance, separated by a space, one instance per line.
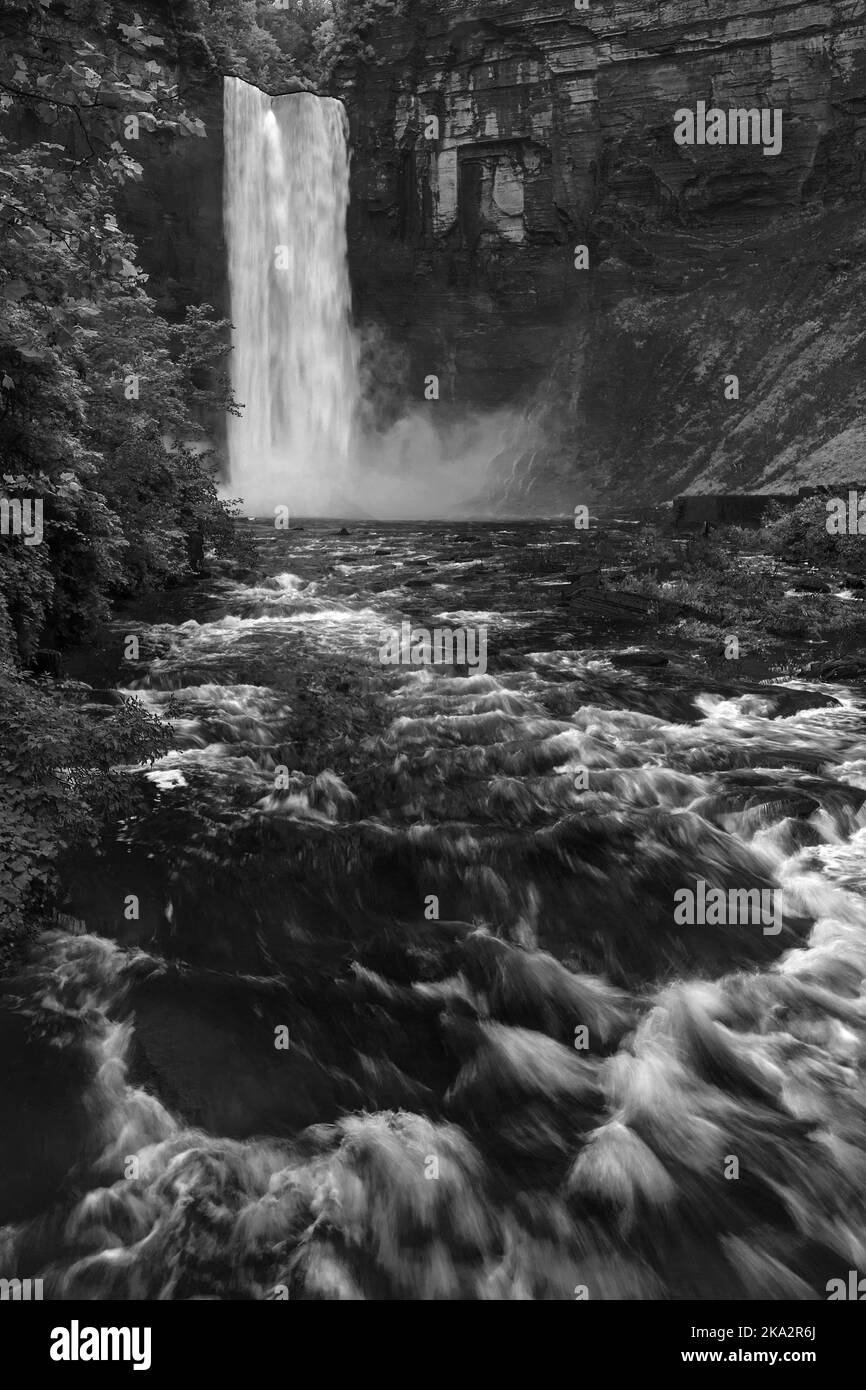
x=556 y=129
x=175 y=213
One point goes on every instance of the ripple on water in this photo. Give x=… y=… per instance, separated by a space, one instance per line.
x=509 y=1072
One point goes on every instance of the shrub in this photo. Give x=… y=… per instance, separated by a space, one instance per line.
x=799 y=536
x=58 y=778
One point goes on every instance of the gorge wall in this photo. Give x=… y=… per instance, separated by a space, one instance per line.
x=556 y=128
x=175 y=213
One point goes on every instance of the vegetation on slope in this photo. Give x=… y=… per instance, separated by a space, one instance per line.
x=100 y=399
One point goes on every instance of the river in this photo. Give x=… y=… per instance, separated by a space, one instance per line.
x=380 y=994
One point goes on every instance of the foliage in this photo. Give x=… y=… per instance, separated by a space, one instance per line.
x=100 y=400
x=278 y=44
x=58 y=770
x=799 y=535
x=269 y=44
x=343 y=36
x=719 y=584
x=100 y=397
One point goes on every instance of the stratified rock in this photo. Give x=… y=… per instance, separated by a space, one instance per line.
x=556 y=131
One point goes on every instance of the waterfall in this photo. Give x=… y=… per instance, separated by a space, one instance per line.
x=294 y=363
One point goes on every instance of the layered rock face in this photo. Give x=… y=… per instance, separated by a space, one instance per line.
x=555 y=128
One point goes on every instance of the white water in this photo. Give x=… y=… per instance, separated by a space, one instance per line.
x=294 y=364
x=257 y=1170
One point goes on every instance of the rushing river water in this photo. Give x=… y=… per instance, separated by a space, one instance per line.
x=287 y=1075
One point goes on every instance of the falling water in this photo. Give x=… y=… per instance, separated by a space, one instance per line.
x=294 y=364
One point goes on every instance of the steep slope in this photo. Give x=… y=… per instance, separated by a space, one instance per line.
x=556 y=129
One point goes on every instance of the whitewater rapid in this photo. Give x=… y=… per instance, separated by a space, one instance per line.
x=432 y=1130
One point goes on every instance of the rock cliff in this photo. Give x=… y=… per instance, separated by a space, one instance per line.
x=492 y=138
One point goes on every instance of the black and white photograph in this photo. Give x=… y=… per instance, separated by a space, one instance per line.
x=432 y=670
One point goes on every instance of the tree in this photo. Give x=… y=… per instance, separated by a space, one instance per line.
x=111 y=466
x=80 y=333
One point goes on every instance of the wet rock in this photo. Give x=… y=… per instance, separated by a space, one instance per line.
x=618 y=605
x=642 y=658
x=806 y=584
x=589 y=577
x=45 y=1092
x=850 y=668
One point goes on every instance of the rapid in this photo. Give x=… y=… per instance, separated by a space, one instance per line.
x=402 y=1010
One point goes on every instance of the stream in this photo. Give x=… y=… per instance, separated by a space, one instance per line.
x=380 y=994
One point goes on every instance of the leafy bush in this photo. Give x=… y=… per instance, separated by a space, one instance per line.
x=799 y=536
x=59 y=777
x=120 y=481
x=100 y=397
x=269 y=44
x=343 y=36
